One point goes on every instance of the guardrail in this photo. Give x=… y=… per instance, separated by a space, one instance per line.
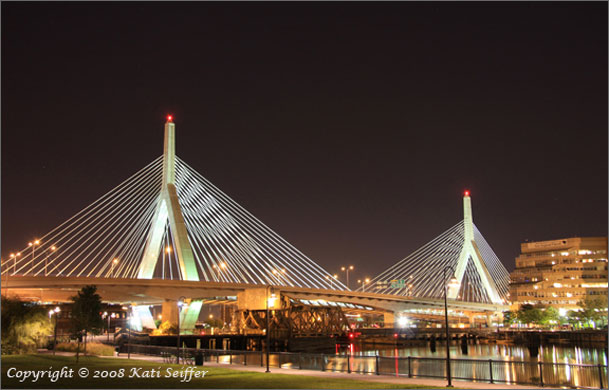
x=478 y=370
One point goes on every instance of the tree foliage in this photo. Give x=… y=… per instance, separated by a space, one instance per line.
x=509 y=317
x=86 y=314
x=529 y=314
x=593 y=311
x=24 y=326
x=166 y=328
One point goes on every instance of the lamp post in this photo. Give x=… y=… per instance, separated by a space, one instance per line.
x=363 y=282
x=328 y=277
x=15 y=262
x=114 y=263
x=347 y=269
x=181 y=303
x=33 y=245
x=452 y=283
x=46 y=259
x=113 y=315
x=219 y=269
x=14 y=257
x=51 y=312
x=128 y=333
x=268 y=330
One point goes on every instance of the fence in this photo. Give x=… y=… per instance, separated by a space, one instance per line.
x=491 y=371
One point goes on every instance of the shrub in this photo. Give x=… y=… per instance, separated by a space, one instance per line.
x=24 y=326
x=165 y=328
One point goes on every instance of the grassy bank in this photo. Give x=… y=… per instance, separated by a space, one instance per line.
x=216 y=377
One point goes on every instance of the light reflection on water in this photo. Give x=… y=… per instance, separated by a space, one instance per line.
x=549 y=353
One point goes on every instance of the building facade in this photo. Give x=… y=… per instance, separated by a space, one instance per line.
x=560 y=273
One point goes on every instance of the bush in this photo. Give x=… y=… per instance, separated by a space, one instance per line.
x=97 y=349
x=24 y=326
x=166 y=328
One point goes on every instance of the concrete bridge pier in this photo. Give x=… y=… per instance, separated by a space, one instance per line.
x=389 y=320
x=188 y=315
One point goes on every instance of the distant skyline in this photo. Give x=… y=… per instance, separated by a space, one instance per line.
x=351 y=129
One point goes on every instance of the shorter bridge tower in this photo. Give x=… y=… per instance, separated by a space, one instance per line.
x=461 y=250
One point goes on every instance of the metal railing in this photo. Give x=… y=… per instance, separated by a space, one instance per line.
x=478 y=370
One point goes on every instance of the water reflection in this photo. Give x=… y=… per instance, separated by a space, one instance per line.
x=549 y=353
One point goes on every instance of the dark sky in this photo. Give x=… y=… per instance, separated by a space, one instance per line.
x=351 y=129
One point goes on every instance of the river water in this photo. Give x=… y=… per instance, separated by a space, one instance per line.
x=547 y=354
x=560 y=366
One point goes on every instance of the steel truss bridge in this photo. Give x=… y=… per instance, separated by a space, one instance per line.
x=167 y=232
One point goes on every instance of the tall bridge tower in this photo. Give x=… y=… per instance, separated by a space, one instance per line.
x=168 y=211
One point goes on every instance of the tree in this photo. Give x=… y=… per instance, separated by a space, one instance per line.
x=529 y=314
x=86 y=315
x=24 y=326
x=573 y=318
x=214 y=322
x=593 y=311
x=550 y=316
x=509 y=317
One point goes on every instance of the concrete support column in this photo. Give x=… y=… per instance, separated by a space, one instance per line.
x=170 y=311
x=489 y=319
x=472 y=319
x=389 y=320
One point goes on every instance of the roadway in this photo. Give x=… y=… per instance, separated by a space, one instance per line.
x=53 y=289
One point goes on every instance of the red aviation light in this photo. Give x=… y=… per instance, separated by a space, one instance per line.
x=466 y=193
x=169 y=118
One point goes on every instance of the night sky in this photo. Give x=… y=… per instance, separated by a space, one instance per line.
x=351 y=129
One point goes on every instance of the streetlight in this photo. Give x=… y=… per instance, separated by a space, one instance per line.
x=114 y=263
x=453 y=282
x=269 y=301
x=33 y=245
x=181 y=304
x=363 y=282
x=347 y=269
x=328 y=277
x=278 y=273
x=113 y=315
x=14 y=257
x=51 y=312
x=219 y=268
x=51 y=250
x=128 y=332
x=105 y=315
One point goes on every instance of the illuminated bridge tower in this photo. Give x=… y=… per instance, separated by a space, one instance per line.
x=471 y=253
x=461 y=249
x=168 y=211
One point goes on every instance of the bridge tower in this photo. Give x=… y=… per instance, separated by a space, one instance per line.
x=462 y=249
x=471 y=252
x=168 y=211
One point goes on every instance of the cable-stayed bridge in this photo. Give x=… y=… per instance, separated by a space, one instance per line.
x=167 y=232
x=463 y=252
